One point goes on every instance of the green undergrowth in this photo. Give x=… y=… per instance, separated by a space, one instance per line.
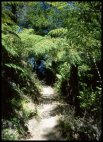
x=76 y=128
x=20 y=88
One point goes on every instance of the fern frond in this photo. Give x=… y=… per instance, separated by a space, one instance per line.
x=61 y=32
x=14 y=66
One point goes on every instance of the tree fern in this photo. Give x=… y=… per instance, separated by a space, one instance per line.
x=61 y=32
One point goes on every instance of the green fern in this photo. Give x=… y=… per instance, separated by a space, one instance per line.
x=16 y=67
x=61 y=32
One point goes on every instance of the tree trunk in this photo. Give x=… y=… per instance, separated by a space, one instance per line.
x=14 y=17
x=74 y=88
x=98 y=72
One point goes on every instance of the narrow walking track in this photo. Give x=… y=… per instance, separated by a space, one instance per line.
x=44 y=127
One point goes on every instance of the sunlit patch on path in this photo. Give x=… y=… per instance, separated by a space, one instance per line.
x=47 y=91
x=44 y=127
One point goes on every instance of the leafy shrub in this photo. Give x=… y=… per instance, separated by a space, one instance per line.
x=79 y=128
x=16 y=77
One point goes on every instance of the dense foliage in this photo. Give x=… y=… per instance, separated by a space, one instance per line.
x=69 y=36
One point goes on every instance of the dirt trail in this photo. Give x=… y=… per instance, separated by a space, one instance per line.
x=44 y=127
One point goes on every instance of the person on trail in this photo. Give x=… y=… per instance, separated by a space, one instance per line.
x=41 y=68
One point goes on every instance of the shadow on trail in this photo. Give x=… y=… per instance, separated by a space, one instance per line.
x=58 y=131
x=55 y=133
x=46 y=100
x=61 y=109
